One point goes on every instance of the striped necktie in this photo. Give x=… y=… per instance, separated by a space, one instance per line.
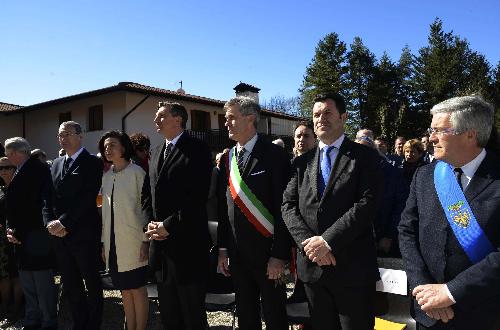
x=241 y=159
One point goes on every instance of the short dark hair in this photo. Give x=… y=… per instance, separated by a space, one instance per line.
x=176 y=110
x=381 y=138
x=306 y=123
x=140 y=141
x=128 y=153
x=335 y=97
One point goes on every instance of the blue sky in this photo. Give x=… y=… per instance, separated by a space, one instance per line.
x=50 y=49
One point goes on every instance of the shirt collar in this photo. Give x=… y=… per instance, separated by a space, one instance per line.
x=249 y=145
x=174 y=140
x=75 y=155
x=337 y=143
x=471 y=167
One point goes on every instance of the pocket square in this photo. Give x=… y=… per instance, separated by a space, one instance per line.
x=257 y=173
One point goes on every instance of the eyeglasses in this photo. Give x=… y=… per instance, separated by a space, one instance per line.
x=442 y=131
x=65 y=135
x=8 y=167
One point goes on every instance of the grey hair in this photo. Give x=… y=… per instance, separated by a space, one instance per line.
x=73 y=124
x=248 y=106
x=365 y=132
x=468 y=113
x=18 y=144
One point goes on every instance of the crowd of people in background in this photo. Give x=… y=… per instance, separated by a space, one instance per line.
x=326 y=211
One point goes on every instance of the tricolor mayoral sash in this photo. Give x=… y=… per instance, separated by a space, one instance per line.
x=253 y=209
x=462 y=221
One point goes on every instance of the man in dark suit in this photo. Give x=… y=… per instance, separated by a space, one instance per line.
x=29 y=191
x=329 y=206
x=253 y=240
x=452 y=259
x=174 y=198
x=76 y=229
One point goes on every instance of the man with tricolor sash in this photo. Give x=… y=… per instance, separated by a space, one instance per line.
x=450 y=229
x=253 y=240
x=329 y=206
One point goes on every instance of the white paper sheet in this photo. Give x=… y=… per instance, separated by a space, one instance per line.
x=392 y=281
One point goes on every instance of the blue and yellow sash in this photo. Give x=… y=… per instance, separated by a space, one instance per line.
x=459 y=214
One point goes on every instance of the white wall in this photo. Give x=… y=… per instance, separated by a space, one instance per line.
x=42 y=124
x=282 y=126
x=141 y=120
x=10 y=126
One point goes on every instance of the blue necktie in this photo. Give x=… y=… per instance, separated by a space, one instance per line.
x=326 y=168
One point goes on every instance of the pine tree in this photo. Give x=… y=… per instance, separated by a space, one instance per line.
x=439 y=68
x=361 y=71
x=496 y=94
x=382 y=98
x=327 y=72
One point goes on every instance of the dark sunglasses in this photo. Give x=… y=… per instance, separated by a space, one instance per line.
x=8 y=167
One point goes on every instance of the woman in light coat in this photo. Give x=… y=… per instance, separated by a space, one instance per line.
x=126 y=247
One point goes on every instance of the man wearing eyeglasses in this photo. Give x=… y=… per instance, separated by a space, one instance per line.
x=450 y=230
x=76 y=229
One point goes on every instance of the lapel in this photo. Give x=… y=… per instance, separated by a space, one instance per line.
x=15 y=179
x=58 y=170
x=253 y=158
x=481 y=179
x=173 y=153
x=313 y=168
x=74 y=164
x=341 y=161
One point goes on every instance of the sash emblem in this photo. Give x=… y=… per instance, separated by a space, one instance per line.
x=459 y=215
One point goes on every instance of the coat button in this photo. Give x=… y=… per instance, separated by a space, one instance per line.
x=320 y=210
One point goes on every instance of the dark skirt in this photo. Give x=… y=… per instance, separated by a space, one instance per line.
x=132 y=279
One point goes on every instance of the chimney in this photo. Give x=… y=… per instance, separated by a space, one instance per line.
x=243 y=89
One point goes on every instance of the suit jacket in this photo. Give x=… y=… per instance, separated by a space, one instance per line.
x=175 y=192
x=75 y=197
x=431 y=252
x=266 y=173
x=343 y=216
x=28 y=193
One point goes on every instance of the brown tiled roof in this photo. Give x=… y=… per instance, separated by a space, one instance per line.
x=134 y=87
x=7 y=107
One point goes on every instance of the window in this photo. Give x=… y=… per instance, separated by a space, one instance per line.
x=95 y=118
x=200 y=120
x=64 y=116
x=222 y=122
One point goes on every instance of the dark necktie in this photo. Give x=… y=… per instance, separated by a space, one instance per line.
x=326 y=168
x=67 y=163
x=458 y=175
x=241 y=159
x=167 y=151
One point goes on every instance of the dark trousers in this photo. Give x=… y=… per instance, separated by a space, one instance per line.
x=334 y=306
x=40 y=293
x=78 y=263
x=181 y=303
x=252 y=285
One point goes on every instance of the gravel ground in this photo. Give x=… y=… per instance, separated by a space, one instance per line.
x=113 y=316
